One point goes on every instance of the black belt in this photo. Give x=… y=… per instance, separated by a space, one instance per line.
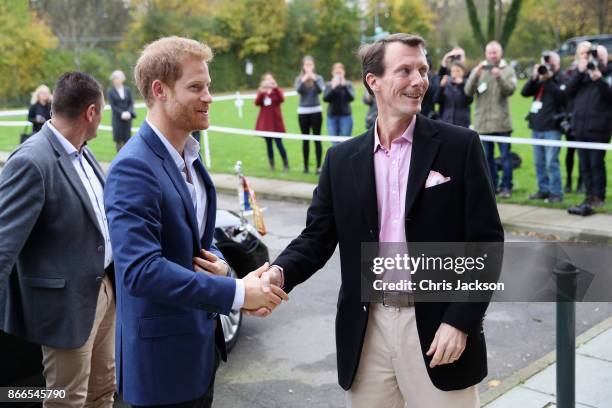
x=397 y=299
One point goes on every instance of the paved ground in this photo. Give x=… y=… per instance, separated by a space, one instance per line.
x=288 y=360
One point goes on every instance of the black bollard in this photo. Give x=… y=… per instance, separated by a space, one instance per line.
x=566 y=275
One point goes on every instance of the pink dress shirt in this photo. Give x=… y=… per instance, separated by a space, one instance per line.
x=391 y=169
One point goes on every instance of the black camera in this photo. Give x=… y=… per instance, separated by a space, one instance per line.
x=454 y=57
x=543 y=69
x=593 y=61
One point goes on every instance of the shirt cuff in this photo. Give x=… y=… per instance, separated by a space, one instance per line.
x=238 y=295
x=282 y=274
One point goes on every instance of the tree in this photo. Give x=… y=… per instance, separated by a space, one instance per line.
x=24 y=43
x=499 y=26
x=82 y=26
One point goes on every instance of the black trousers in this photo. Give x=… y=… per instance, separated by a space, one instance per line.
x=569 y=162
x=205 y=401
x=307 y=122
x=593 y=169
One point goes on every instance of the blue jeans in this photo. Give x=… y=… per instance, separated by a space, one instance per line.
x=504 y=150
x=546 y=160
x=340 y=126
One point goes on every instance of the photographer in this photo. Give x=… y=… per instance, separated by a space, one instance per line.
x=590 y=85
x=493 y=81
x=450 y=95
x=457 y=54
x=546 y=87
x=582 y=50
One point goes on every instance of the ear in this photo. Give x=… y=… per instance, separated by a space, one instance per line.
x=372 y=81
x=159 y=90
x=91 y=112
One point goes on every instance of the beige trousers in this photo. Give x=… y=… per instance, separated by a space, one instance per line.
x=88 y=372
x=392 y=373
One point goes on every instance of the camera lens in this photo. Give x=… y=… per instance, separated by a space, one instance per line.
x=542 y=70
x=590 y=66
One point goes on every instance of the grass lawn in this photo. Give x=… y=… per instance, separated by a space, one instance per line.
x=226 y=149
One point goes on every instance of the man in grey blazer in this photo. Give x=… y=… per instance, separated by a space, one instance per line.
x=55 y=255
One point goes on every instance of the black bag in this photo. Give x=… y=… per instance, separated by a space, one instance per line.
x=515 y=159
x=25 y=134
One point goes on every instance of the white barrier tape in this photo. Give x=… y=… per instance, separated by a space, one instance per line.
x=23 y=112
x=295 y=136
x=542 y=142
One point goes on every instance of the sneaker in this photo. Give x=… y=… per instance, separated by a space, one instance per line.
x=553 y=199
x=505 y=193
x=540 y=195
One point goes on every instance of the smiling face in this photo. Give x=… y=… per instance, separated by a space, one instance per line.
x=400 y=90
x=188 y=101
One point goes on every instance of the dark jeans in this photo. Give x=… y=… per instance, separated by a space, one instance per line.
x=205 y=401
x=504 y=149
x=311 y=121
x=279 y=145
x=593 y=169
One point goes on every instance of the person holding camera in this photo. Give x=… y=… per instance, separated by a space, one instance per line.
x=457 y=54
x=591 y=86
x=493 y=81
x=450 y=95
x=339 y=93
x=546 y=88
x=582 y=50
x=269 y=98
x=309 y=85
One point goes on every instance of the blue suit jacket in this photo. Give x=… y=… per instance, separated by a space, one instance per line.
x=166 y=312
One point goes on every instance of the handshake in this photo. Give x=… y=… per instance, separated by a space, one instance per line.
x=262 y=287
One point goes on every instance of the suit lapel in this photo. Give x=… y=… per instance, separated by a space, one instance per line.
x=95 y=166
x=65 y=163
x=363 y=169
x=173 y=172
x=424 y=150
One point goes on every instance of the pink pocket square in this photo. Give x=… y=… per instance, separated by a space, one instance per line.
x=435 y=178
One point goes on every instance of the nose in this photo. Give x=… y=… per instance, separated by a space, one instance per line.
x=206 y=97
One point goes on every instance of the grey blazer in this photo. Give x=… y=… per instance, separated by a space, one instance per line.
x=51 y=247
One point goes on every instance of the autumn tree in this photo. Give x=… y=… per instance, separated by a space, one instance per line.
x=24 y=43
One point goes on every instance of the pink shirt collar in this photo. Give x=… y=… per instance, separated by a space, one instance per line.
x=408 y=134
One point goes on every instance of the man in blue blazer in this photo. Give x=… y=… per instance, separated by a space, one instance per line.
x=161 y=209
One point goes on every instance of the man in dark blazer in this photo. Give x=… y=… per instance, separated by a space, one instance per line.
x=161 y=206
x=55 y=252
x=122 y=107
x=408 y=179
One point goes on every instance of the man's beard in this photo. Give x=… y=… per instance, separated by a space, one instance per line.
x=184 y=118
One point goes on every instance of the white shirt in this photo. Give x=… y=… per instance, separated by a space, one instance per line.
x=92 y=185
x=196 y=190
x=121 y=92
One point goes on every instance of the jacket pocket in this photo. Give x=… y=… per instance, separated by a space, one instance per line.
x=49 y=283
x=163 y=326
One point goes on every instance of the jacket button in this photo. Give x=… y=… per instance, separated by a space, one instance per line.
x=365 y=309
x=101 y=248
